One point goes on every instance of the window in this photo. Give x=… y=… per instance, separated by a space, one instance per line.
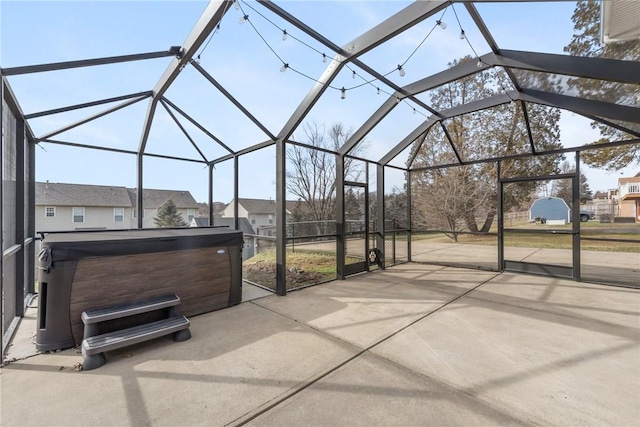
x=270 y=219
x=78 y=214
x=134 y=213
x=190 y=214
x=118 y=214
x=253 y=220
x=50 y=212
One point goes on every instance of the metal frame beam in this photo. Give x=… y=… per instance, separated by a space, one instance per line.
x=184 y=131
x=93 y=117
x=612 y=70
x=467 y=108
x=14 y=71
x=197 y=124
x=401 y=21
x=230 y=97
x=87 y=104
x=582 y=106
x=208 y=21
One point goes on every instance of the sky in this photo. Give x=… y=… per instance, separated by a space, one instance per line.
x=246 y=60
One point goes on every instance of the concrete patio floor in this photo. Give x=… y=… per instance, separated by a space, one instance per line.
x=412 y=345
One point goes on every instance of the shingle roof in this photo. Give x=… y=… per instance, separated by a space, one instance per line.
x=262 y=206
x=57 y=194
x=153 y=199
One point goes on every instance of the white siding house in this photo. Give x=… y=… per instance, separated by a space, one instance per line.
x=67 y=207
x=260 y=213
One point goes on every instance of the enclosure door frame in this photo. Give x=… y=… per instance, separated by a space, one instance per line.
x=363 y=266
x=537 y=268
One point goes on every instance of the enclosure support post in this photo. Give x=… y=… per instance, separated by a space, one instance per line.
x=19 y=223
x=139 y=204
x=409 y=226
x=236 y=204
x=575 y=219
x=281 y=220
x=31 y=206
x=210 y=195
x=380 y=236
x=340 y=218
x=500 y=219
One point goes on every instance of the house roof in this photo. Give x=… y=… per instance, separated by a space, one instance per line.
x=61 y=194
x=153 y=199
x=57 y=194
x=631 y=179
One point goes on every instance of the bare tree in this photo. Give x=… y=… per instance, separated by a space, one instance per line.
x=311 y=174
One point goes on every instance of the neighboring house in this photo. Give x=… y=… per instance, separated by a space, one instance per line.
x=65 y=207
x=260 y=213
x=629 y=197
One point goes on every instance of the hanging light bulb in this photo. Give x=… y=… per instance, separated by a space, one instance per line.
x=397 y=100
x=353 y=74
x=462 y=35
x=343 y=93
x=441 y=24
x=324 y=58
x=414 y=111
x=284 y=35
x=236 y=5
x=243 y=19
x=479 y=64
x=217 y=30
x=378 y=91
x=401 y=71
x=284 y=68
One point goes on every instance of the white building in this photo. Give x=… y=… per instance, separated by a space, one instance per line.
x=65 y=207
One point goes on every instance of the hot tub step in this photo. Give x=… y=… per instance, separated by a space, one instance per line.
x=110 y=313
x=93 y=348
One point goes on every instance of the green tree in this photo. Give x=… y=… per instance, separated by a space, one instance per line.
x=586 y=42
x=562 y=188
x=459 y=198
x=168 y=216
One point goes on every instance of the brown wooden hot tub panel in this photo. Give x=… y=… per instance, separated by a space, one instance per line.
x=200 y=277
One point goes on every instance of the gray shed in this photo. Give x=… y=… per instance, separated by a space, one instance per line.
x=550 y=208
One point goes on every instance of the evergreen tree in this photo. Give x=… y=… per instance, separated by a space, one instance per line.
x=586 y=42
x=168 y=216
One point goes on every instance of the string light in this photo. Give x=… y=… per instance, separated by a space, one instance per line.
x=414 y=110
x=243 y=19
x=324 y=58
x=479 y=64
x=462 y=35
x=236 y=5
x=284 y=35
x=343 y=93
x=397 y=100
x=217 y=30
x=353 y=74
x=441 y=24
x=378 y=90
x=401 y=70
x=284 y=68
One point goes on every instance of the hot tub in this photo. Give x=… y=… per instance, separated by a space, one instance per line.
x=93 y=269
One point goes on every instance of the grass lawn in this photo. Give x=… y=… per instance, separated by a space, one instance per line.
x=592 y=229
x=303 y=267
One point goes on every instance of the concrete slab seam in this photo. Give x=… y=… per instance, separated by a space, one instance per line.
x=292 y=392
